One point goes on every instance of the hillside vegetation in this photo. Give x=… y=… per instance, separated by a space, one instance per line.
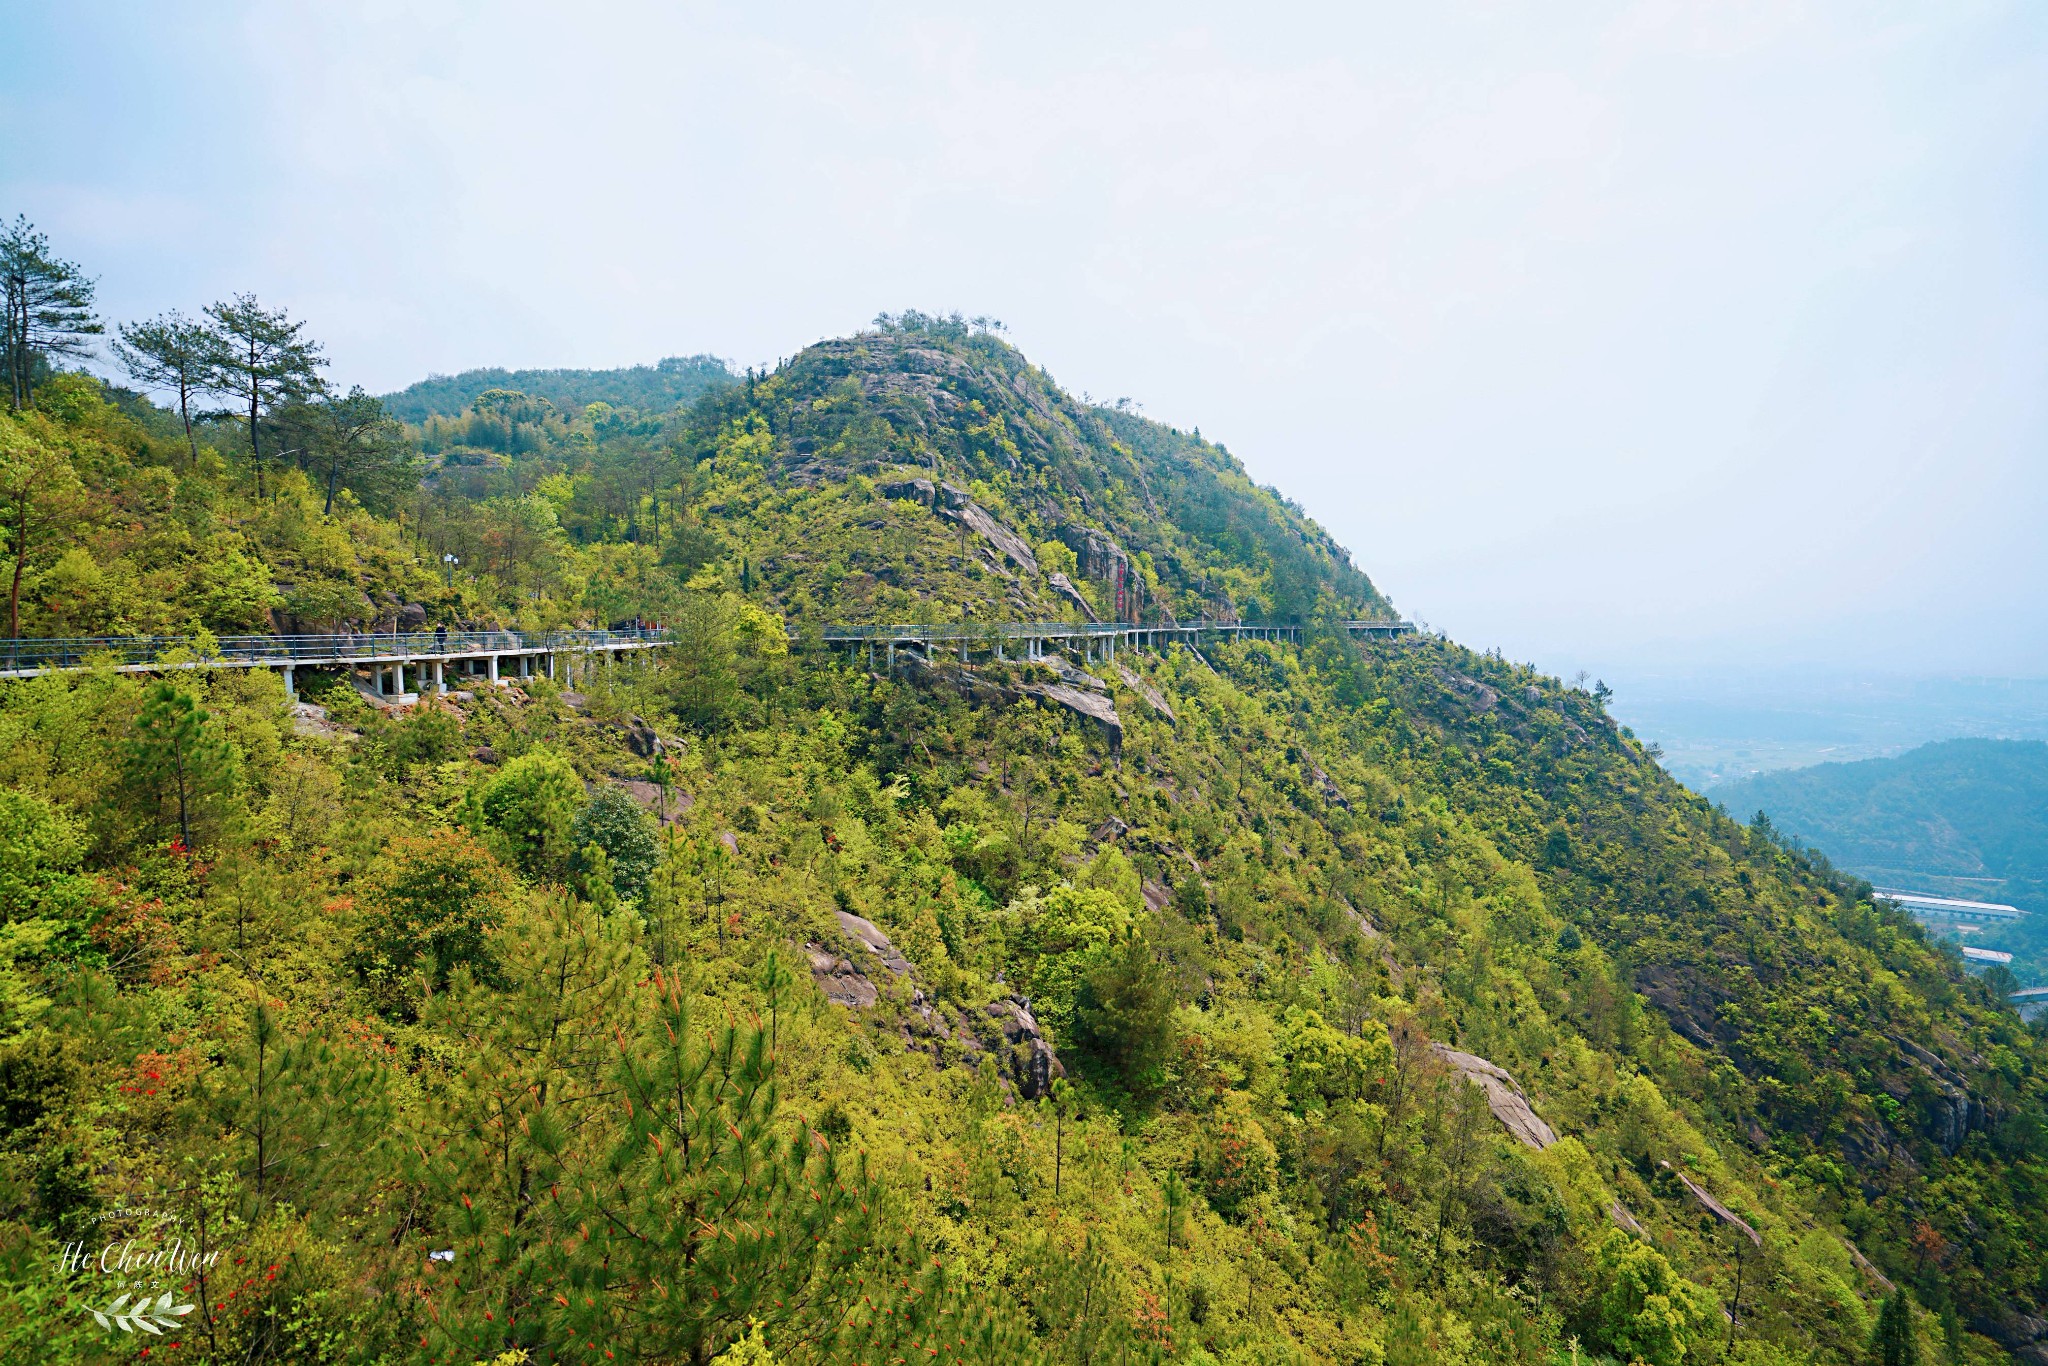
x=1325 y=1002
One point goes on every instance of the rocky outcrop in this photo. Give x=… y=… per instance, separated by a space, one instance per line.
x=839 y=980
x=1713 y=1206
x=1151 y=695
x=865 y=934
x=1009 y=1032
x=1031 y=1063
x=1089 y=706
x=641 y=739
x=1509 y=1105
x=954 y=505
x=1064 y=586
x=2023 y=1335
x=1954 y=1088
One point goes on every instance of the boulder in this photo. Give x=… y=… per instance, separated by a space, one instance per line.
x=1064 y=586
x=1503 y=1097
x=1033 y=1065
x=842 y=983
x=1148 y=692
x=866 y=934
x=412 y=617
x=641 y=739
x=1090 y=706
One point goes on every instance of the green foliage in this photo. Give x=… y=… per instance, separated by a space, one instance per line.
x=1648 y=1312
x=618 y=825
x=40 y=850
x=178 y=768
x=1123 y=1016
x=672 y=381
x=1895 y=1341
x=531 y=804
x=1066 y=935
x=1250 y=934
x=430 y=906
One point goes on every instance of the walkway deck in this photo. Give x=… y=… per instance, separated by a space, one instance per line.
x=389 y=656
x=480 y=652
x=1094 y=639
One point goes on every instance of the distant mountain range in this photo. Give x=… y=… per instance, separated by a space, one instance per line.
x=1964 y=818
x=663 y=385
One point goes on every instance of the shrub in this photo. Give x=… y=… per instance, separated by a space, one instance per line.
x=431 y=904
x=532 y=805
x=618 y=825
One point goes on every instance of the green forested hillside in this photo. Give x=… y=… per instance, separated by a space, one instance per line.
x=671 y=381
x=1336 y=1002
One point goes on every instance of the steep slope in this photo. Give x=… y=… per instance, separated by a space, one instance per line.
x=1345 y=1002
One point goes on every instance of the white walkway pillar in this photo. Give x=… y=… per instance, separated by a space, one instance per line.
x=494 y=668
x=289 y=690
x=440 y=677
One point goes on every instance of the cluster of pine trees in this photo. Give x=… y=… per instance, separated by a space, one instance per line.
x=470 y=1031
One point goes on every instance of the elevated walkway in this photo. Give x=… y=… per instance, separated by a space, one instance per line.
x=431 y=655
x=1031 y=639
x=387 y=655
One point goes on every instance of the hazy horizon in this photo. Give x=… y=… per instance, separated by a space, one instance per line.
x=1648 y=340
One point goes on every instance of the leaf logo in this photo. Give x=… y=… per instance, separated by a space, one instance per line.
x=143 y=1315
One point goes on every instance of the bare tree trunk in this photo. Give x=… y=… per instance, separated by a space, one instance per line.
x=20 y=562
x=185 y=413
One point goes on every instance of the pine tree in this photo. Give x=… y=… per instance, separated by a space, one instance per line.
x=260 y=357
x=171 y=352
x=177 y=763
x=48 y=308
x=1894 y=1342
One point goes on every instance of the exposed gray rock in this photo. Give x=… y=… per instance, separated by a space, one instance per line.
x=412 y=617
x=1509 y=1105
x=641 y=739
x=1033 y=1065
x=311 y=720
x=1112 y=829
x=1149 y=693
x=842 y=983
x=954 y=505
x=1091 y=706
x=1955 y=1087
x=1064 y=586
x=1072 y=676
x=1618 y=1212
x=868 y=936
x=1713 y=1206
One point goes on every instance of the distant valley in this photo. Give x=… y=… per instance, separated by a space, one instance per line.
x=1960 y=818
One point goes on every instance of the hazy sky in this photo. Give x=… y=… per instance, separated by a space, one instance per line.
x=1620 y=335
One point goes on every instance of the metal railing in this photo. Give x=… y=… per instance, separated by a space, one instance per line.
x=975 y=632
x=135 y=652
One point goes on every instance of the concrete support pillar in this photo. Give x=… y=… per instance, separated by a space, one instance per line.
x=289 y=690
x=440 y=677
x=892 y=657
x=494 y=668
